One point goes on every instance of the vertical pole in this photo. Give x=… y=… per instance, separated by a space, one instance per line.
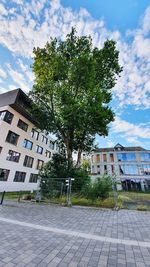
x=69 y=192
x=115 y=191
x=19 y=197
x=61 y=189
x=2 y=198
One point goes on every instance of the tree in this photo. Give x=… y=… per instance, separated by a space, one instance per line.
x=72 y=90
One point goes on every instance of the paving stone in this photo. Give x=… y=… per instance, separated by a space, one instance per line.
x=27 y=246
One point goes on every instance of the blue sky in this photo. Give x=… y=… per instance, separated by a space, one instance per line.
x=29 y=23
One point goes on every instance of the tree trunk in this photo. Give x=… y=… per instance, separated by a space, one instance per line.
x=78 y=163
x=69 y=154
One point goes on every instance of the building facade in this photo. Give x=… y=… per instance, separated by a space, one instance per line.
x=23 y=148
x=130 y=165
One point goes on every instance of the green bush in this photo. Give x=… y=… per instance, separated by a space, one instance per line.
x=55 y=173
x=99 y=189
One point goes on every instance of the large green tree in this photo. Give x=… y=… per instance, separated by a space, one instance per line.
x=72 y=90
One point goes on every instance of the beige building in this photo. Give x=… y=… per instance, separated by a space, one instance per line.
x=23 y=148
x=130 y=165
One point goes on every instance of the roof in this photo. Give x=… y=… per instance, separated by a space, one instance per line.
x=19 y=101
x=119 y=147
x=8 y=98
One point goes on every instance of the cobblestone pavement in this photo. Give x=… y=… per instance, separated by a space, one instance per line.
x=50 y=235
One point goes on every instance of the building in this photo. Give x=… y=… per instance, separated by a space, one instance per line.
x=23 y=148
x=130 y=165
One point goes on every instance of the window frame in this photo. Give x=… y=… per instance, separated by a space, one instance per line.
x=47 y=152
x=8 y=141
x=28 y=161
x=33 y=131
x=23 y=123
x=38 y=162
x=37 y=149
x=10 y=150
x=4 y=116
x=32 y=177
x=51 y=145
x=27 y=141
x=7 y=175
x=44 y=139
x=17 y=173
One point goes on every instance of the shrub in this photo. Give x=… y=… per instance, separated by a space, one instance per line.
x=54 y=174
x=99 y=189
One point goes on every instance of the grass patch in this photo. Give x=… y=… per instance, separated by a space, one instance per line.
x=15 y=195
x=142 y=208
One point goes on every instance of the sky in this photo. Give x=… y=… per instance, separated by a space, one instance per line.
x=30 y=23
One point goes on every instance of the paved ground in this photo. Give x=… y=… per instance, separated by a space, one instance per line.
x=42 y=235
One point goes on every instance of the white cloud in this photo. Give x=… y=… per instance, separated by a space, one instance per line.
x=133 y=140
x=25 y=70
x=130 y=130
x=3 y=74
x=18 y=78
x=146 y=21
x=36 y=21
x=110 y=143
x=3 y=10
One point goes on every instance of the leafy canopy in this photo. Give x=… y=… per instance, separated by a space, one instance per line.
x=72 y=89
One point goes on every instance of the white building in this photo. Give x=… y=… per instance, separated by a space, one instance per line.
x=130 y=165
x=23 y=148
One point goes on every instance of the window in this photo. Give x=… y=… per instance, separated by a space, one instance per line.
x=104 y=157
x=97 y=158
x=105 y=169
x=35 y=134
x=13 y=156
x=47 y=154
x=22 y=125
x=28 y=161
x=20 y=177
x=111 y=157
x=126 y=157
x=51 y=145
x=39 y=149
x=33 y=178
x=144 y=156
x=39 y=164
x=6 y=116
x=112 y=169
x=0 y=149
x=12 y=138
x=4 y=174
x=128 y=169
x=57 y=146
x=98 y=169
x=27 y=144
x=44 y=139
x=145 y=170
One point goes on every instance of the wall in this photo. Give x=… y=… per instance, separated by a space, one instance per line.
x=14 y=166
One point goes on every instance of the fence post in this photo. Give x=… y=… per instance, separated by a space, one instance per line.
x=19 y=196
x=69 y=192
x=115 y=192
x=61 y=190
x=69 y=185
x=3 y=194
